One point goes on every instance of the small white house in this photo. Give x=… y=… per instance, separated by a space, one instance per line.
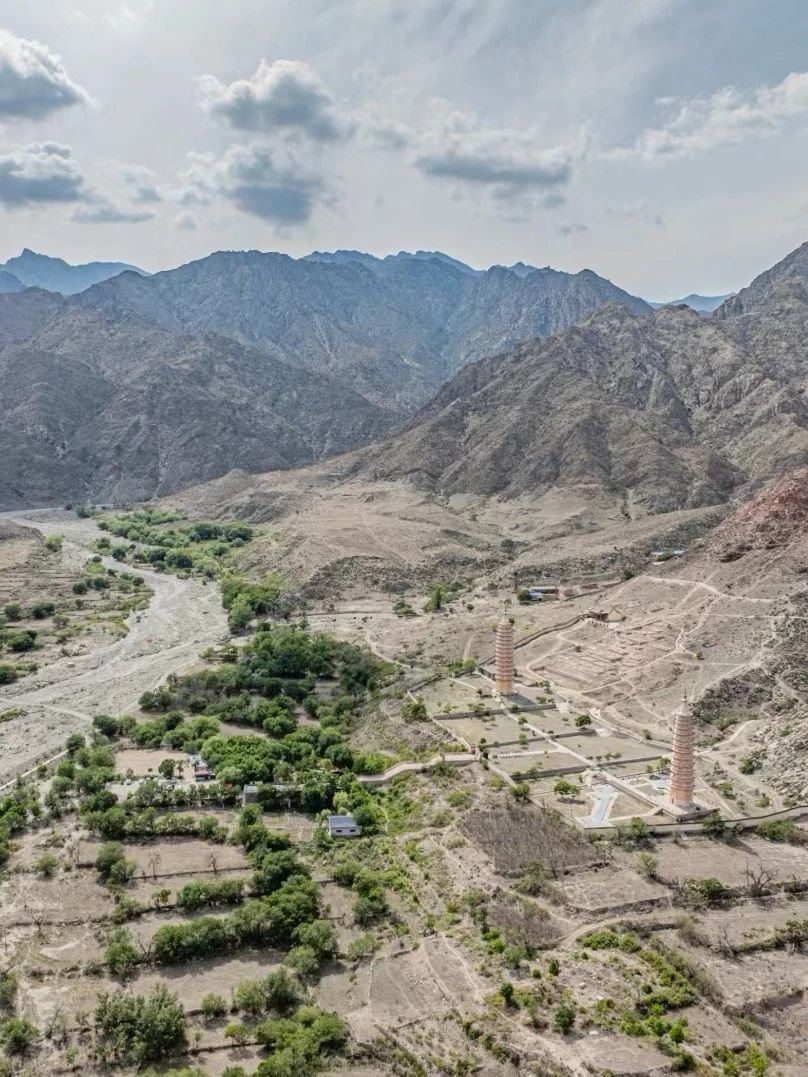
x=343 y=826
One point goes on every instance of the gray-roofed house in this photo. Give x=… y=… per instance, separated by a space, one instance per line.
x=343 y=826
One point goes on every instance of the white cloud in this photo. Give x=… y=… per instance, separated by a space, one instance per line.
x=287 y=94
x=130 y=16
x=44 y=172
x=270 y=182
x=99 y=209
x=699 y=124
x=513 y=165
x=33 y=80
x=185 y=222
x=142 y=184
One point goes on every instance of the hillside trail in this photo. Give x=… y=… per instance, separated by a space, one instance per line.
x=184 y=616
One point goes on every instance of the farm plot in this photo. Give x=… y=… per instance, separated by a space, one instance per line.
x=173 y=856
x=594 y=746
x=729 y=862
x=516 y=836
x=611 y=887
x=534 y=764
x=68 y=898
x=143 y=762
x=493 y=729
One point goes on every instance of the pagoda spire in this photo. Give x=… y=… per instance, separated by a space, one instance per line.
x=682 y=783
x=503 y=658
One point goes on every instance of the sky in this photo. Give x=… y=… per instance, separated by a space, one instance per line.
x=662 y=143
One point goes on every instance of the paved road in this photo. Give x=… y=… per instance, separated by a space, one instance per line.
x=183 y=618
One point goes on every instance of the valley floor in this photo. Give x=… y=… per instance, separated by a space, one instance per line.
x=183 y=617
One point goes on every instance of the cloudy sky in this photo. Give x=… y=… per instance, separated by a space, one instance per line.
x=662 y=143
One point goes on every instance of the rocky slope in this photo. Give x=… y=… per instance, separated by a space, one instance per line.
x=759 y=555
x=650 y=410
x=392 y=329
x=34 y=270
x=665 y=412
x=101 y=404
x=9 y=283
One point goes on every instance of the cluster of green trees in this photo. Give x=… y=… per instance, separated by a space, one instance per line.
x=281 y=661
x=112 y=866
x=139 y=1028
x=368 y=885
x=149 y=527
x=172 y=730
x=245 y=600
x=263 y=922
x=116 y=821
x=300 y=1044
x=16 y=808
x=201 y=894
x=189 y=547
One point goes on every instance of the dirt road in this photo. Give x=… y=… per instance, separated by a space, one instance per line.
x=183 y=617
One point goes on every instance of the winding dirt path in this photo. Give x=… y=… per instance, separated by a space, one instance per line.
x=183 y=617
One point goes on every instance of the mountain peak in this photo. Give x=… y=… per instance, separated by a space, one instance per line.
x=35 y=270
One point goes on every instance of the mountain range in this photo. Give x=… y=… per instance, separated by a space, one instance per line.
x=526 y=379
x=666 y=411
x=142 y=384
x=392 y=329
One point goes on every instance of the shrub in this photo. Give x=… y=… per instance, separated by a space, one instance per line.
x=46 y=865
x=362 y=946
x=564 y=1017
x=41 y=610
x=18 y=1035
x=213 y=1006
x=780 y=830
x=21 y=641
x=8 y=674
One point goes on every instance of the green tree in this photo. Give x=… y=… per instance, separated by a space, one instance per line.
x=121 y=957
x=319 y=936
x=582 y=721
x=249 y=997
x=282 y=991
x=167 y=768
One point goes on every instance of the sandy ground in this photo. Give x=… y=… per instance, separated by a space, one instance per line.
x=184 y=617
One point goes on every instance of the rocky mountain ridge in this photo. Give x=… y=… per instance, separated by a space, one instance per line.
x=392 y=329
x=101 y=404
x=35 y=270
x=667 y=411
